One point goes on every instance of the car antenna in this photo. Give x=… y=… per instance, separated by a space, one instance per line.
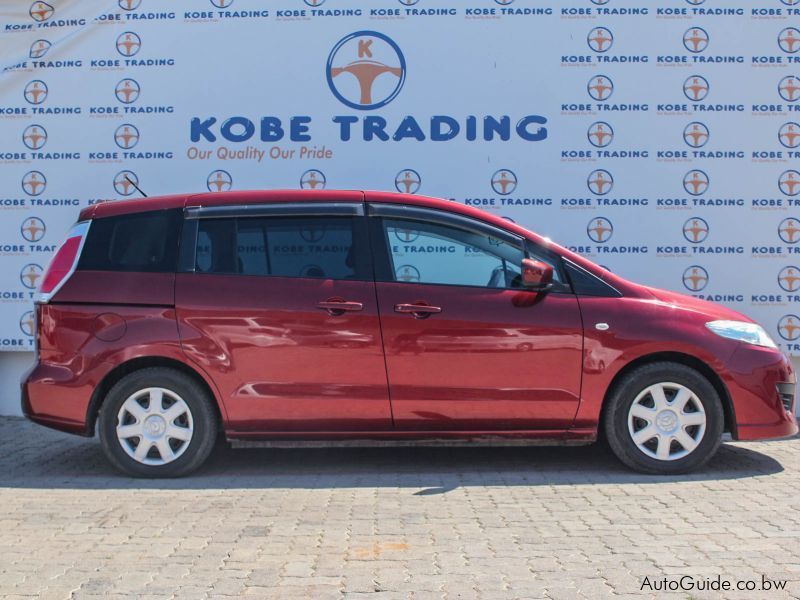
x=138 y=189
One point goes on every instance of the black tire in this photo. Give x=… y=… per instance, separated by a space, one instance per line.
x=203 y=415
x=625 y=393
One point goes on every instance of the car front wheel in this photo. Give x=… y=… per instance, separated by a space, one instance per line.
x=664 y=418
x=157 y=422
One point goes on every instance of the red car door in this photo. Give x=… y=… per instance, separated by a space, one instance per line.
x=466 y=347
x=278 y=305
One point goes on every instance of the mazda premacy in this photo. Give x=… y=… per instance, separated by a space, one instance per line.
x=364 y=317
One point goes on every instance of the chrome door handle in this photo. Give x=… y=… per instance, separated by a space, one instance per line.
x=338 y=306
x=418 y=311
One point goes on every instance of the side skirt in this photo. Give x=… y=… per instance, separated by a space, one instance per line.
x=361 y=439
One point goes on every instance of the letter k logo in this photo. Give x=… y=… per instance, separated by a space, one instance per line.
x=363 y=48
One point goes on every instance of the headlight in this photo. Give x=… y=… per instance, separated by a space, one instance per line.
x=749 y=333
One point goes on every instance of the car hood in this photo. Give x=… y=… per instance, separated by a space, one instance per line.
x=710 y=309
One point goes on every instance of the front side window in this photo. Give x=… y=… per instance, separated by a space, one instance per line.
x=424 y=252
x=316 y=247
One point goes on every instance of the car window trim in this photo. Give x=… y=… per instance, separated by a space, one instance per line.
x=433 y=215
x=277 y=209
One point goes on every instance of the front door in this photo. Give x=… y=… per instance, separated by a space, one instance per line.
x=281 y=313
x=466 y=347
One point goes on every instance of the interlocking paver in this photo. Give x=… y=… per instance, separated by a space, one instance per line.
x=414 y=523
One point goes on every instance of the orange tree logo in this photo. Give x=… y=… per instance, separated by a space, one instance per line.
x=789 y=327
x=366 y=70
x=219 y=181
x=696 y=182
x=696 y=134
x=128 y=43
x=789 y=230
x=127 y=91
x=126 y=136
x=124 y=183
x=600 y=182
x=789 y=40
x=789 y=135
x=600 y=230
x=27 y=323
x=407 y=181
x=34 y=137
x=695 y=230
x=789 y=279
x=30 y=275
x=600 y=39
x=39 y=48
x=35 y=92
x=32 y=229
x=695 y=39
x=789 y=88
x=504 y=182
x=41 y=11
x=600 y=88
x=34 y=183
x=695 y=278
x=789 y=182
x=600 y=134
x=313 y=179
x=696 y=88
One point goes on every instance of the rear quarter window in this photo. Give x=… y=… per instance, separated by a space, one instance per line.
x=143 y=242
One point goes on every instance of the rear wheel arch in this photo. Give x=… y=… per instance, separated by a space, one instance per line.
x=685 y=359
x=137 y=364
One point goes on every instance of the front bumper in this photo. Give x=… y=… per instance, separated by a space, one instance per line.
x=762 y=388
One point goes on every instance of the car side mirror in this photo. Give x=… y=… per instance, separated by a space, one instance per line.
x=536 y=275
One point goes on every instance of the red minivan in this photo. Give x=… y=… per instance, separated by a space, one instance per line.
x=347 y=315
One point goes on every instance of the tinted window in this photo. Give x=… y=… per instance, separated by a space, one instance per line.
x=146 y=241
x=319 y=247
x=586 y=284
x=424 y=252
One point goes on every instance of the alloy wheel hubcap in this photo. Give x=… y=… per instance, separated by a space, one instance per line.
x=667 y=421
x=154 y=426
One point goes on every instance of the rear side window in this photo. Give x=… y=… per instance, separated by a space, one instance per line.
x=315 y=247
x=145 y=242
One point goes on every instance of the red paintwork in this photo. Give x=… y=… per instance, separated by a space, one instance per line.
x=280 y=367
x=492 y=359
x=73 y=360
x=280 y=362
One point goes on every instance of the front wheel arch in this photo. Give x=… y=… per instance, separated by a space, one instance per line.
x=137 y=364
x=685 y=359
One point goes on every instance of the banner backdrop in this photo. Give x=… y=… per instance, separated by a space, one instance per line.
x=659 y=138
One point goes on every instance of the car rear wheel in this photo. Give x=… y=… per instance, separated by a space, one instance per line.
x=157 y=422
x=664 y=418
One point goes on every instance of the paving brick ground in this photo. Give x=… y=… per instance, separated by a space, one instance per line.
x=390 y=523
